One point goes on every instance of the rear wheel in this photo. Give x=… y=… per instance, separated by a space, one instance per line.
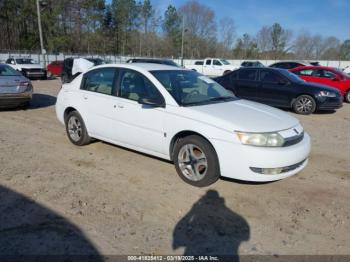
x=196 y=161
x=76 y=130
x=347 y=96
x=304 y=105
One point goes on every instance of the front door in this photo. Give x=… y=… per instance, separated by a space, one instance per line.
x=141 y=125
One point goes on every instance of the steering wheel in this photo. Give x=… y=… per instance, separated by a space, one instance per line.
x=191 y=94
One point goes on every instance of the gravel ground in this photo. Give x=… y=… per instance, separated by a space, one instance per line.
x=56 y=198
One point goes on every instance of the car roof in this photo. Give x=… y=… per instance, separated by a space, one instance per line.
x=143 y=66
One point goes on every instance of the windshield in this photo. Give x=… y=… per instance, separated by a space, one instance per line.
x=225 y=62
x=189 y=88
x=23 y=61
x=8 y=71
x=291 y=76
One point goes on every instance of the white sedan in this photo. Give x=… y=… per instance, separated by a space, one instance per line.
x=183 y=116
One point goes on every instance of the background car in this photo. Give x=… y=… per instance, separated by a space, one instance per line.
x=289 y=64
x=15 y=89
x=183 y=116
x=153 y=60
x=55 y=68
x=67 y=75
x=252 y=64
x=28 y=67
x=280 y=88
x=326 y=75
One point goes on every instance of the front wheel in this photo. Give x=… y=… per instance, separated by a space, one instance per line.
x=347 y=96
x=196 y=161
x=76 y=130
x=304 y=105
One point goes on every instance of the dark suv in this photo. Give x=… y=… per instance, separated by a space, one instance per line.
x=281 y=88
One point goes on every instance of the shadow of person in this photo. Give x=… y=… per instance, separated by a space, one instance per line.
x=29 y=230
x=210 y=228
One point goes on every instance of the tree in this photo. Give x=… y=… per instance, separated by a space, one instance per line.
x=172 y=29
x=280 y=40
x=264 y=41
x=227 y=35
x=200 y=23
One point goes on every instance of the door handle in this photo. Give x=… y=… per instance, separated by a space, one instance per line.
x=85 y=97
x=119 y=106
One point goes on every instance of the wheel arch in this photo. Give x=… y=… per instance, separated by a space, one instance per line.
x=67 y=111
x=183 y=134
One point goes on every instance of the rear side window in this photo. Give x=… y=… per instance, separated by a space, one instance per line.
x=306 y=72
x=99 y=81
x=328 y=74
x=249 y=74
x=208 y=62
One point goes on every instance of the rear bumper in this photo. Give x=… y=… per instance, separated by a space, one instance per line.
x=34 y=73
x=9 y=100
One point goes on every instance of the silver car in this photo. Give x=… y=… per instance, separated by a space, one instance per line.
x=15 y=89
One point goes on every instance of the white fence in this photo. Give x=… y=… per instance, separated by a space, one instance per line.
x=121 y=59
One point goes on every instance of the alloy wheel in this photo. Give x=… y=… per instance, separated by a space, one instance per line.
x=74 y=128
x=193 y=162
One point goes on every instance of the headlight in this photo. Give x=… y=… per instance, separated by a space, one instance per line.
x=328 y=94
x=262 y=139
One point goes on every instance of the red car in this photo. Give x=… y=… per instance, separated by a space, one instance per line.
x=326 y=75
x=55 y=68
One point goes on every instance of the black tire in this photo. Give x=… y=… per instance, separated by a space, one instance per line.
x=304 y=105
x=209 y=173
x=79 y=137
x=347 y=96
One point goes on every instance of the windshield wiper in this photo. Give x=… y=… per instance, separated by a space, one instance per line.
x=214 y=99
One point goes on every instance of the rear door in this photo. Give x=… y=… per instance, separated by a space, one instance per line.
x=247 y=84
x=276 y=89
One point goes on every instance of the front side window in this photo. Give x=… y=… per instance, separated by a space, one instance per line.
x=99 y=81
x=249 y=74
x=224 y=62
x=271 y=77
x=329 y=74
x=217 y=63
x=134 y=86
x=24 y=61
x=189 y=88
x=208 y=62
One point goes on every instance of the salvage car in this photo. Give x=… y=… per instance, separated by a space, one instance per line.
x=329 y=76
x=280 y=88
x=212 y=67
x=183 y=116
x=153 y=60
x=15 y=89
x=28 y=67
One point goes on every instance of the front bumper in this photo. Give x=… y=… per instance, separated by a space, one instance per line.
x=330 y=103
x=236 y=160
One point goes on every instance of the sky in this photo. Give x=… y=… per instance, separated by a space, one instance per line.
x=325 y=17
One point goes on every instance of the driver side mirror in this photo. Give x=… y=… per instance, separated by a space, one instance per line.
x=151 y=102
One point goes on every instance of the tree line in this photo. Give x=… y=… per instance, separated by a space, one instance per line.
x=136 y=28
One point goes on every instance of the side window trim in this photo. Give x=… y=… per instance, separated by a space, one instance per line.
x=115 y=77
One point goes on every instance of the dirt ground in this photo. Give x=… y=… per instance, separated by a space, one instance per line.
x=56 y=198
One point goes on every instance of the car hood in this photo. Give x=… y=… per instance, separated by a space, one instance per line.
x=30 y=66
x=242 y=115
x=320 y=87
